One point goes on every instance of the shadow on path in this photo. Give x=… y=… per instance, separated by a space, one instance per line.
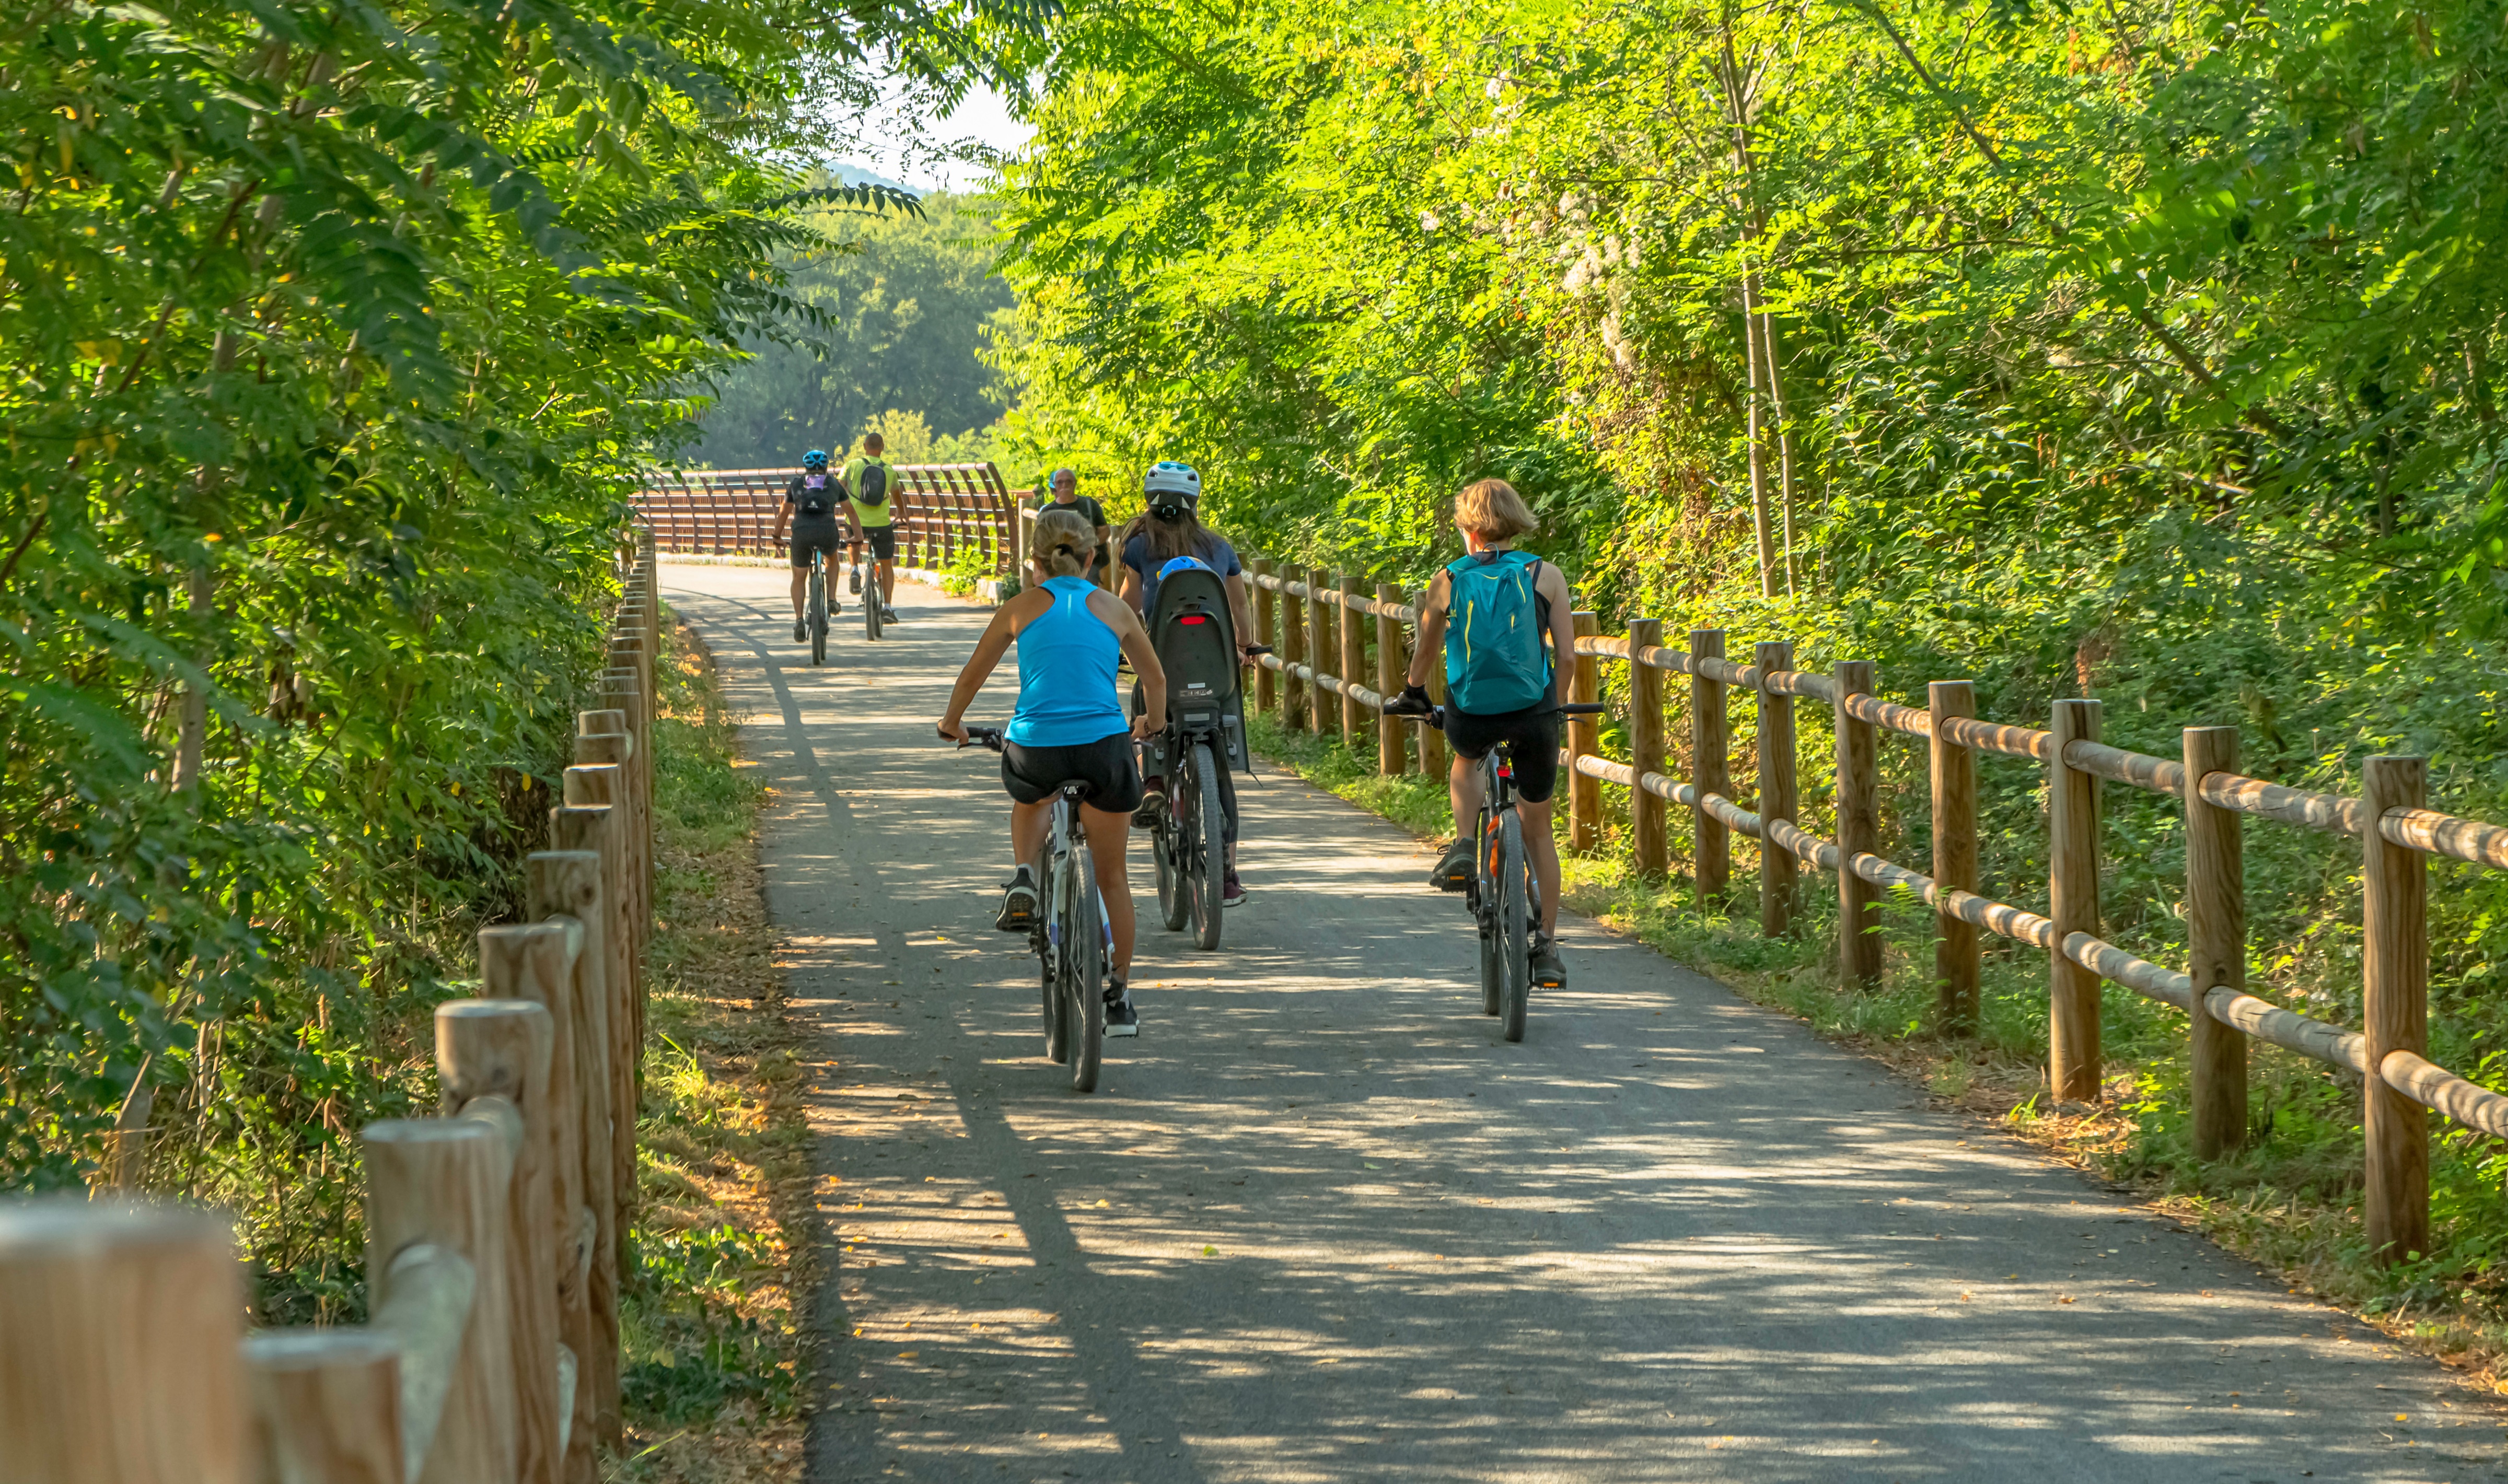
x=1323 y=1225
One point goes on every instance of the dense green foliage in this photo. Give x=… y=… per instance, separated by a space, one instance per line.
x=331 y=331
x=905 y=307
x=2140 y=351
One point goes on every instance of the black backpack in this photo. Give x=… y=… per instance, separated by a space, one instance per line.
x=875 y=484
x=815 y=496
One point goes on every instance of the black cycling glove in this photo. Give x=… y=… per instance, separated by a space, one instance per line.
x=1412 y=702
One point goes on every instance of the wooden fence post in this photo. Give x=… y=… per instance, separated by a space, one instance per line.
x=1293 y=650
x=537 y=963
x=1711 y=749
x=597 y=788
x=1646 y=748
x=1357 y=722
x=500 y=1049
x=1392 y=736
x=1433 y=760
x=443 y=1181
x=1954 y=792
x=1584 y=684
x=2216 y=945
x=573 y=880
x=1267 y=630
x=2074 y=1064
x=2395 y=956
x=1858 y=833
x=1778 y=867
x=1325 y=644
x=119 y=1325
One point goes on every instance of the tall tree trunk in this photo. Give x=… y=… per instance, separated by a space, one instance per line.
x=1776 y=380
x=194 y=732
x=1760 y=518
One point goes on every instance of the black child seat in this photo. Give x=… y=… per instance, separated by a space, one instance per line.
x=1195 y=635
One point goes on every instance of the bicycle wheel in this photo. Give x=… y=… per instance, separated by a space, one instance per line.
x=818 y=613
x=1083 y=986
x=1514 y=929
x=870 y=608
x=1051 y=936
x=1485 y=881
x=1209 y=850
x=1173 y=909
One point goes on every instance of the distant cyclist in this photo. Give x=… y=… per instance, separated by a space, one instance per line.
x=873 y=484
x=811 y=505
x=1487 y=611
x=1068 y=727
x=1062 y=490
x=1167 y=529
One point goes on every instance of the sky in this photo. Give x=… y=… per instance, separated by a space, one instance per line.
x=890 y=148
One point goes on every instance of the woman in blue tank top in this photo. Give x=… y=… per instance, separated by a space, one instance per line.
x=1068 y=727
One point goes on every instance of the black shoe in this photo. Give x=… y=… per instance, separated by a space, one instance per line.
x=1019 y=903
x=1453 y=869
x=887 y=614
x=1548 y=973
x=800 y=631
x=1154 y=802
x=1120 y=1018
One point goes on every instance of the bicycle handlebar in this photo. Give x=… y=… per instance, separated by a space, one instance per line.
x=988 y=738
x=1436 y=715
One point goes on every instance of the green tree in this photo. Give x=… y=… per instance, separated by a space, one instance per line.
x=902 y=308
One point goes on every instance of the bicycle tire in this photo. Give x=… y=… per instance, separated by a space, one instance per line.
x=817 y=614
x=1173 y=909
x=1084 y=988
x=1484 y=913
x=1515 y=931
x=1211 y=856
x=1055 y=929
x=870 y=608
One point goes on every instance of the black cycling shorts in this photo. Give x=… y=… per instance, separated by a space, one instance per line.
x=1533 y=738
x=815 y=536
x=1104 y=767
x=883 y=541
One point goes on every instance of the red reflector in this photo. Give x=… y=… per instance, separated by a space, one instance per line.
x=1193 y=618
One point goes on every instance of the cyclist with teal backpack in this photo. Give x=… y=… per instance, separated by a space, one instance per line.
x=1490 y=612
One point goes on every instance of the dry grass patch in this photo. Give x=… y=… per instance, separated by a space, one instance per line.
x=717 y=1367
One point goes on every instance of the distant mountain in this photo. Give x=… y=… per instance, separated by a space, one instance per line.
x=857 y=175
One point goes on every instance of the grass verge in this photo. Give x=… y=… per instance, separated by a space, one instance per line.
x=715 y=1363
x=2288 y=1202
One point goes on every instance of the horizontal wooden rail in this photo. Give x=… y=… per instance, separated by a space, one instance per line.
x=2079 y=960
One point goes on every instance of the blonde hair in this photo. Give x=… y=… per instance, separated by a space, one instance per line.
x=1064 y=541
x=1491 y=510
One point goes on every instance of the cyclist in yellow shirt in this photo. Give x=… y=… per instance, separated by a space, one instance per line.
x=873 y=488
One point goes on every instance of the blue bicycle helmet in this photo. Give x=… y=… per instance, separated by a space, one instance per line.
x=1185 y=564
x=816 y=458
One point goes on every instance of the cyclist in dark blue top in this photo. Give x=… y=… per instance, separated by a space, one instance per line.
x=1069 y=728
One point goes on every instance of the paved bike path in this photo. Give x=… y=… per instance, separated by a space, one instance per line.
x=1322 y=1223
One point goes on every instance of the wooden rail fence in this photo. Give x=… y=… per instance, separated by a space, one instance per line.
x=1311 y=620
x=942 y=512
x=494 y=1233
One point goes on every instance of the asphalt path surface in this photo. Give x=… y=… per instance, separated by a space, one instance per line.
x=1320 y=1222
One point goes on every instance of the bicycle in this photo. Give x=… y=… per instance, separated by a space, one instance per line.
x=1185 y=835
x=1072 y=940
x=818 y=612
x=1504 y=898
x=865 y=575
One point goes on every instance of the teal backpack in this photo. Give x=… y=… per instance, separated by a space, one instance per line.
x=1495 y=659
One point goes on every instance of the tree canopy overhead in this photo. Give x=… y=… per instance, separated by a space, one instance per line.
x=333 y=332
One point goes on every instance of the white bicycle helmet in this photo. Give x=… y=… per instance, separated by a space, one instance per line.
x=1178 y=481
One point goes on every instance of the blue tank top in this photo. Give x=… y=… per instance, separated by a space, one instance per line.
x=1066 y=658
